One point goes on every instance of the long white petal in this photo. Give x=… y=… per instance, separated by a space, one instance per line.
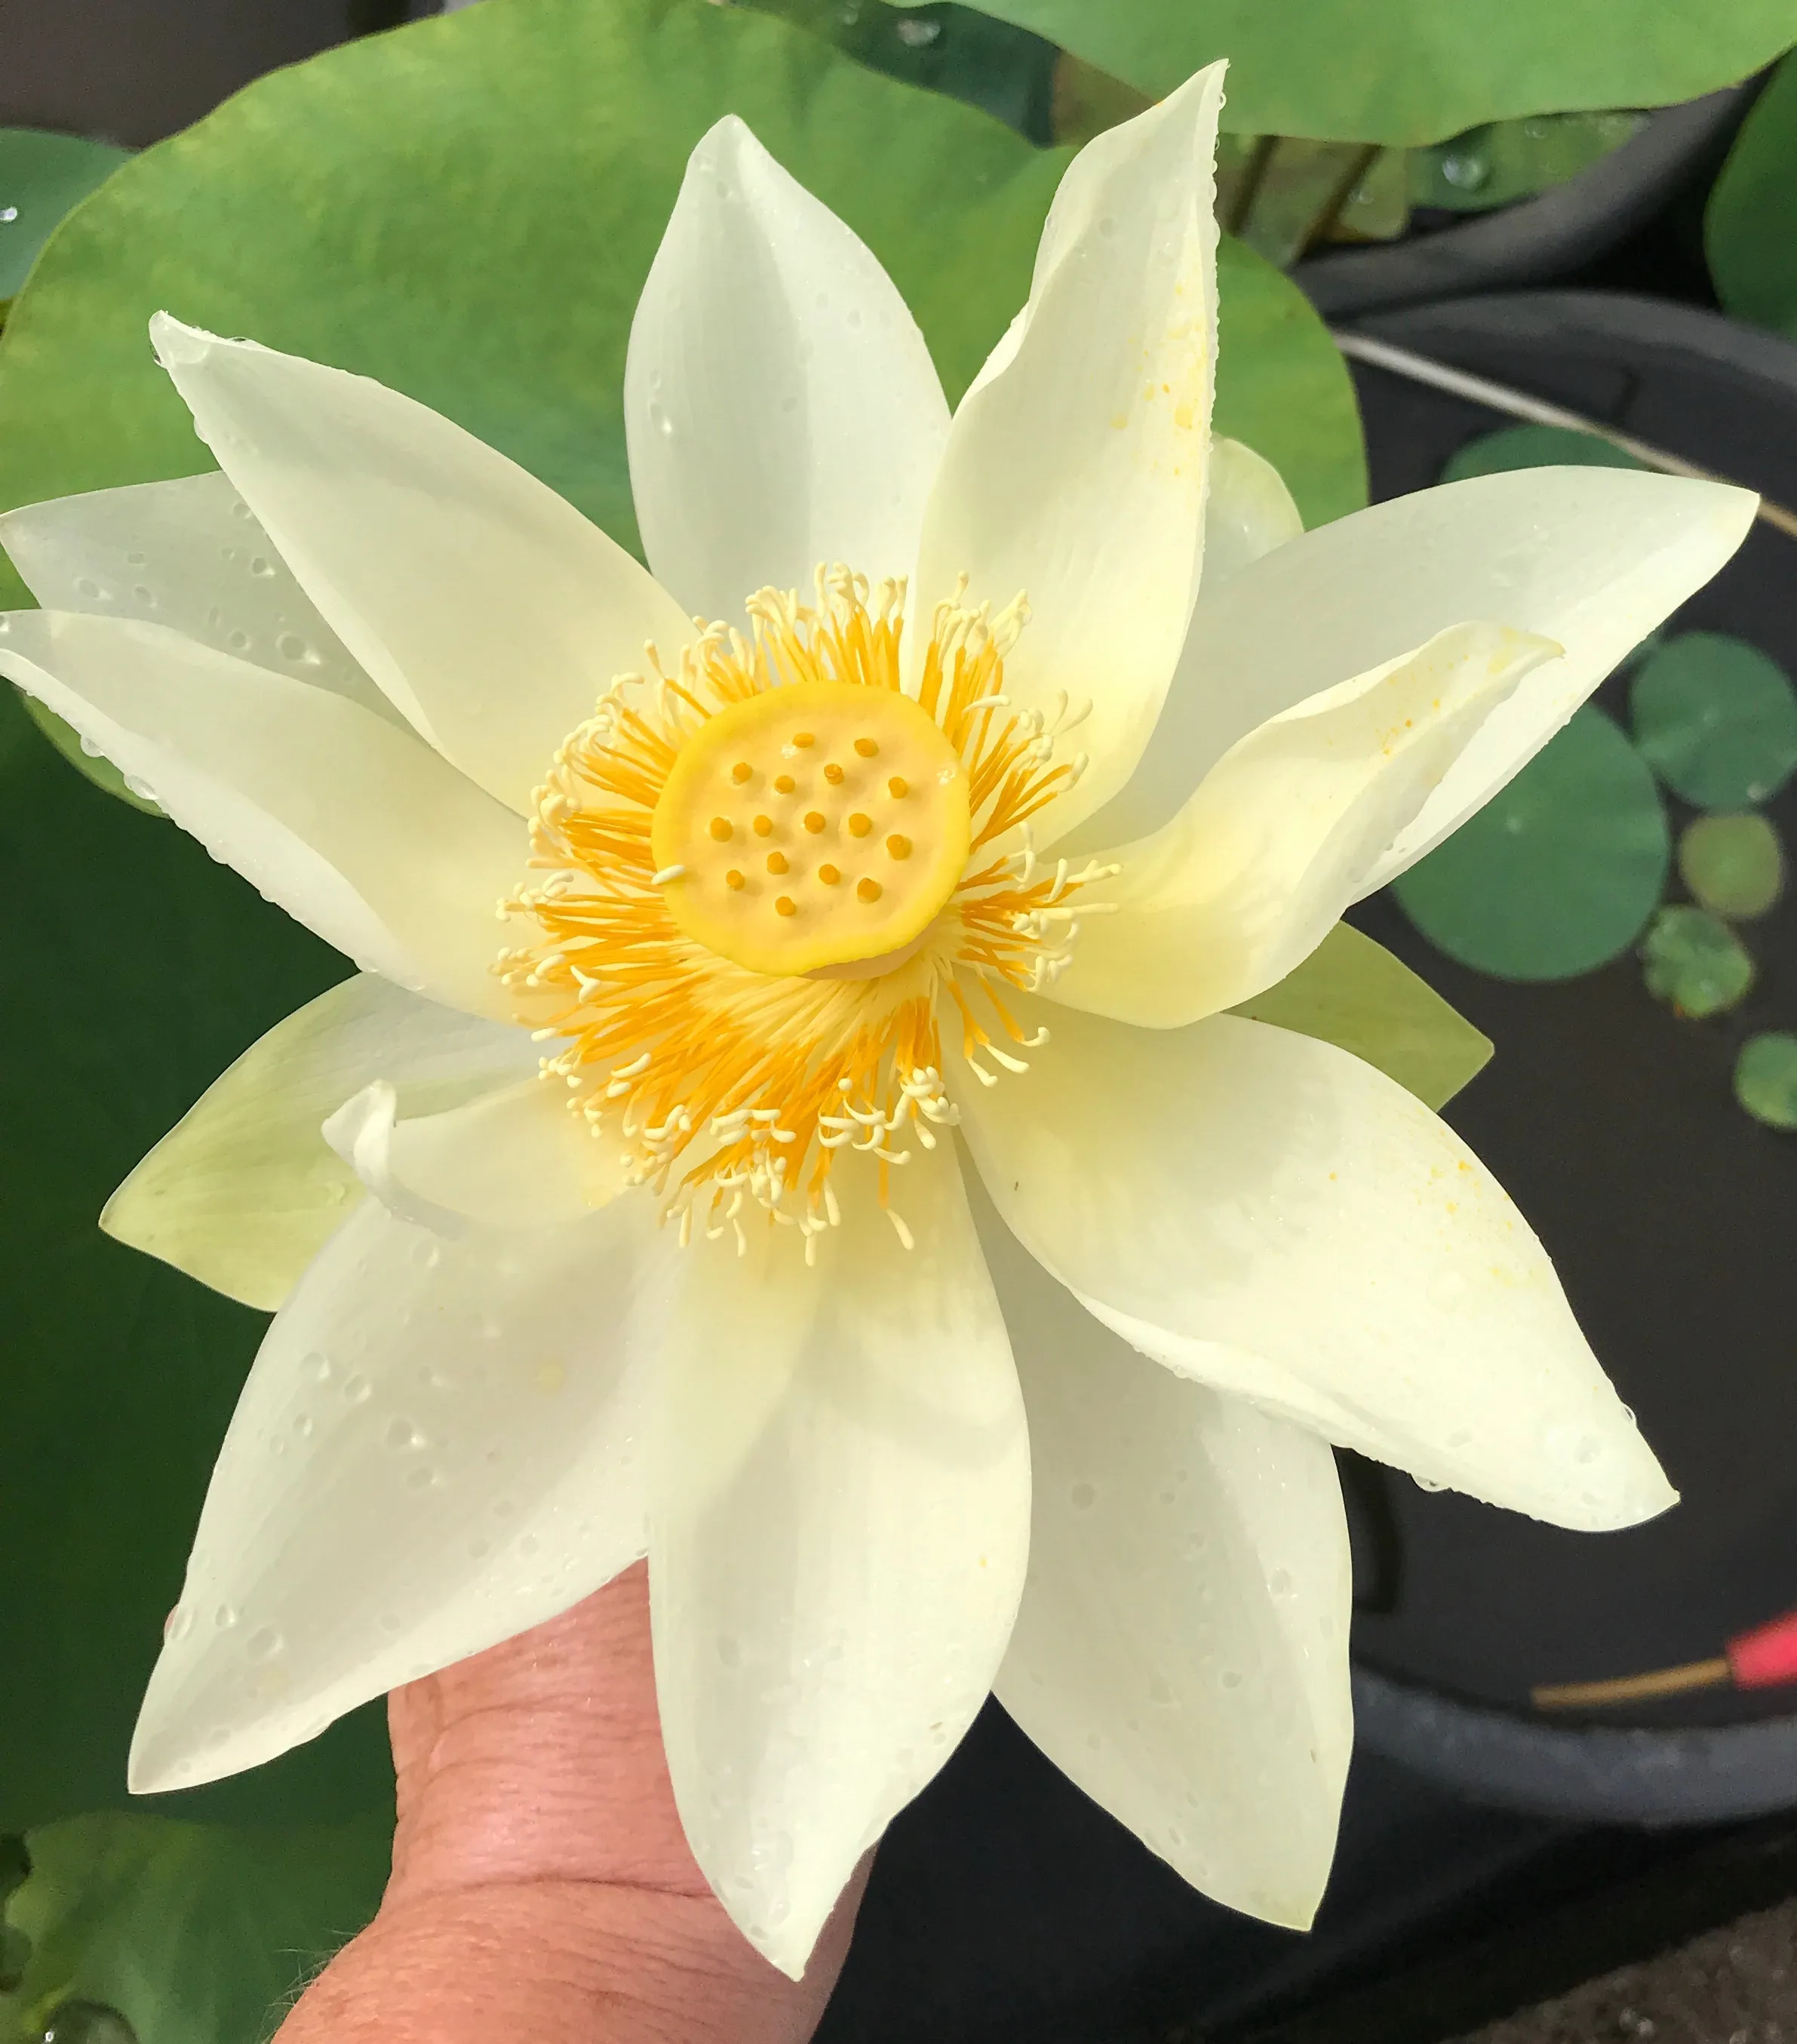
x=1181 y=1650
x=440 y=1445
x=1075 y=465
x=490 y=612
x=1264 y=1213
x=781 y=407
x=188 y=554
x=1590 y=558
x=1255 y=870
x=356 y=828
x=244 y=1191
x=513 y=1157
x=839 y=1525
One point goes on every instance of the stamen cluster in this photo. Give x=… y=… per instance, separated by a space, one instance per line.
x=729 y=1087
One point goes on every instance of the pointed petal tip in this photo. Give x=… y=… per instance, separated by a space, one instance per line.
x=177 y=345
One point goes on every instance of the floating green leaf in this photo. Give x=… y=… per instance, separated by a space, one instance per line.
x=1716 y=720
x=1534 y=447
x=1694 y=963
x=1765 y=1078
x=1507 y=160
x=467 y=210
x=1750 y=225
x=135 y=970
x=1415 y=71
x=192 y=1934
x=43 y=177
x=1558 y=872
x=1352 y=992
x=1734 y=865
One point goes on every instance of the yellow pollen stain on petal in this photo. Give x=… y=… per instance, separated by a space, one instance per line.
x=810 y=926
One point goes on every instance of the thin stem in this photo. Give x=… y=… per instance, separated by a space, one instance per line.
x=1501 y=398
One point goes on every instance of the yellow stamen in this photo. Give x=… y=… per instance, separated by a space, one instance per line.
x=740 y=1036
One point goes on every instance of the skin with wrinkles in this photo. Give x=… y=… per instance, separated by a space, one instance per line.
x=542 y=1887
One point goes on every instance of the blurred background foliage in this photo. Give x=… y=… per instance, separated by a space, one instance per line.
x=465 y=209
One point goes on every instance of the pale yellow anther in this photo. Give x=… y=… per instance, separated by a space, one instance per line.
x=812 y=740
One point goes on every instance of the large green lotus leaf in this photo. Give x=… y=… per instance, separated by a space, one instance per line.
x=1283 y=386
x=467 y=210
x=1352 y=992
x=195 y=1934
x=43 y=177
x=1407 y=71
x=134 y=969
x=1750 y=225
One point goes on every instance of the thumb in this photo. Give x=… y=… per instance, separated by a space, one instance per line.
x=542 y=1886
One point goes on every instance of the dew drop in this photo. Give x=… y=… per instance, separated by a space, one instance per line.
x=302 y=1425
x=1279 y=1583
x=317 y=1366
x=86 y=586
x=357 y=1389
x=224 y=1617
x=1082 y=1496
x=402 y=1434
x=729 y=1651
x=264 y=1643
x=291 y=646
x=421 y=1478
x=261 y=565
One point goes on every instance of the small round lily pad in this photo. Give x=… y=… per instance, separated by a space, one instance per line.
x=1734 y=865
x=1696 y=963
x=1716 y=720
x=1534 y=447
x=1765 y=1078
x=1558 y=872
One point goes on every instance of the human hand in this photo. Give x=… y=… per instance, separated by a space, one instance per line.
x=542 y=1887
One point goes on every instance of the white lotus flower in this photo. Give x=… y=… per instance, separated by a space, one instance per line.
x=819 y=913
